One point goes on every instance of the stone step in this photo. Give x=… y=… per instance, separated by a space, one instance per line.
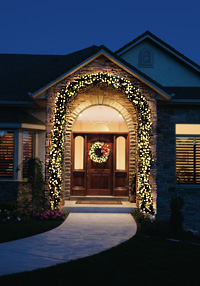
x=98 y=198
x=125 y=207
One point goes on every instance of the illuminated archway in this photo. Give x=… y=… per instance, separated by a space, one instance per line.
x=144 y=128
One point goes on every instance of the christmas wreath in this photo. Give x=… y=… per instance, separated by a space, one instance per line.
x=99 y=152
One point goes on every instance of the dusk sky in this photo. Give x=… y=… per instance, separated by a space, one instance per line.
x=62 y=26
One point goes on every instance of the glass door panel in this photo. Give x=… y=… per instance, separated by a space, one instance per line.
x=79 y=153
x=120 y=153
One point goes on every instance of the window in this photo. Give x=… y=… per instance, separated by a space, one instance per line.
x=6 y=154
x=100 y=118
x=188 y=153
x=120 y=153
x=79 y=153
x=27 y=150
x=146 y=58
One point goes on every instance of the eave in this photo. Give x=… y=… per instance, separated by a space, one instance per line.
x=22 y=126
x=14 y=103
x=185 y=101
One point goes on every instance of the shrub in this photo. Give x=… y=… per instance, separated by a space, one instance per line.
x=176 y=217
x=36 y=180
x=157 y=227
x=141 y=219
x=149 y=226
x=8 y=211
x=51 y=215
x=138 y=215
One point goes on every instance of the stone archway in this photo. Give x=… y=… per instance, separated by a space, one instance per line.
x=100 y=96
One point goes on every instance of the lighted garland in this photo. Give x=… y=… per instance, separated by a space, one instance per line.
x=144 y=128
x=105 y=152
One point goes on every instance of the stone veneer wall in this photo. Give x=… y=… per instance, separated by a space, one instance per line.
x=101 y=64
x=8 y=190
x=16 y=191
x=24 y=198
x=168 y=116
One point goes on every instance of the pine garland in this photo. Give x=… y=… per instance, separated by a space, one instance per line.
x=144 y=129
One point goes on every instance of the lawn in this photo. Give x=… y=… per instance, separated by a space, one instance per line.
x=11 y=230
x=139 y=261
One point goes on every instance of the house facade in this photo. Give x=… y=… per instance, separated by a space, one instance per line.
x=141 y=103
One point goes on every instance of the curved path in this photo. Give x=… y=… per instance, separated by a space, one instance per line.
x=81 y=235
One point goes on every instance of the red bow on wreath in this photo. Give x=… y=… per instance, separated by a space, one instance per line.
x=105 y=150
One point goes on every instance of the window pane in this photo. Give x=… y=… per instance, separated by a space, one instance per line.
x=120 y=153
x=100 y=118
x=27 y=150
x=185 y=159
x=79 y=153
x=197 y=160
x=6 y=154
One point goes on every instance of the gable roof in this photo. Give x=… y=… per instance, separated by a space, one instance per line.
x=33 y=74
x=24 y=77
x=102 y=50
x=148 y=35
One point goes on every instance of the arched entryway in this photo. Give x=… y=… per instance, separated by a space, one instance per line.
x=105 y=110
x=61 y=134
x=109 y=174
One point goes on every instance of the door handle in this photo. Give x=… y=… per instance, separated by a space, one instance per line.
x=87 y=169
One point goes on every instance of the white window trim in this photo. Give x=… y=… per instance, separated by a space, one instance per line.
x=18 y=153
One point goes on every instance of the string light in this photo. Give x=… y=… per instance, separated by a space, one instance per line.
x=144 y=129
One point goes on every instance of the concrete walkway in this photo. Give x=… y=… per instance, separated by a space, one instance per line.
x=81 y=235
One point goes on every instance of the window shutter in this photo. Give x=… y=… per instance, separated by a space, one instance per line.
x=185 y=160
x=6 y=154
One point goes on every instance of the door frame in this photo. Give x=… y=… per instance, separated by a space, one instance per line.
x=80 y=189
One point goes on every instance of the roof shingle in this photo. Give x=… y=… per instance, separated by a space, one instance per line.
x=17 y=116
x=21 y=74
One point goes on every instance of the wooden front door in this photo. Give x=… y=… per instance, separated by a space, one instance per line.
x=109 y=178
x=99 y=175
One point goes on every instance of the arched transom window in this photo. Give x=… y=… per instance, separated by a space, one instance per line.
x=100 y=118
